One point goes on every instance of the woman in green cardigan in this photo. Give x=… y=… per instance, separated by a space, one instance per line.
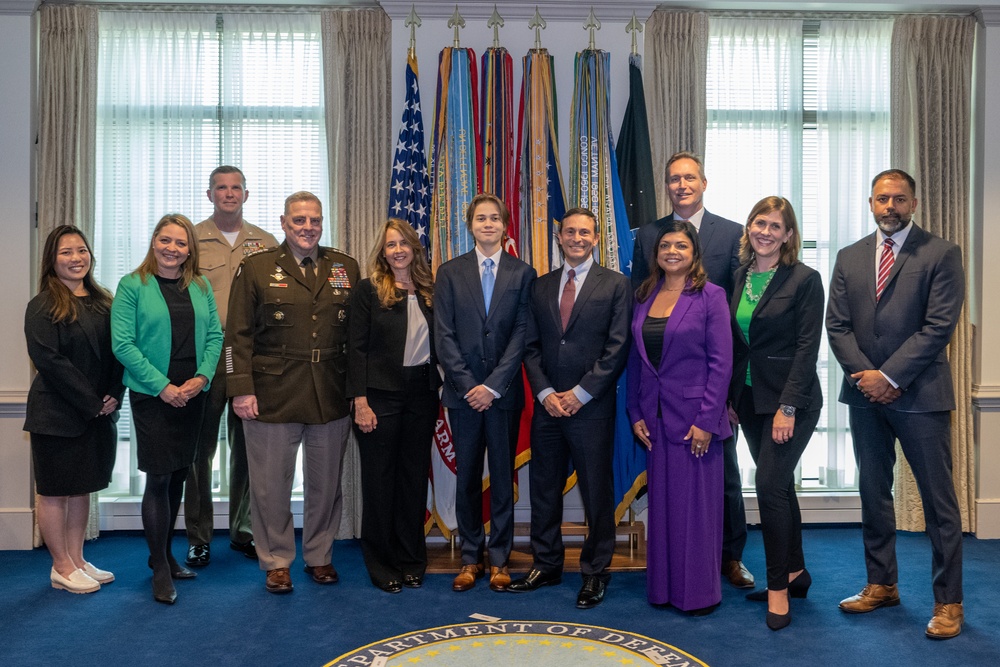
x=165 y=330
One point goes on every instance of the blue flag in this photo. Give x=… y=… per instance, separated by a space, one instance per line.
x=410 y=192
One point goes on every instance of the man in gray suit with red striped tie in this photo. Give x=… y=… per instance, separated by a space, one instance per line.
x=895 y=299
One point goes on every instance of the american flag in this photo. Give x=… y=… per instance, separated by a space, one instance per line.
x=410 y=193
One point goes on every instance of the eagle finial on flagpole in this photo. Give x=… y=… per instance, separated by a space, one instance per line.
x=413 y=22
x=634 y=27
x=495 y=22
x=537 y=23
x=456 y=21
x=592 y=25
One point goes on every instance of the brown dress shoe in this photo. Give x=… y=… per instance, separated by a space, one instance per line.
x=499 y=579
x=946 y=621
x=871 y=597
x=323 y=574
x=278 y=581
x=467 y=576
x=737 y=574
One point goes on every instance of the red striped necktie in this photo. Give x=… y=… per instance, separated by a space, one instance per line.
x=568 y=297
x=885 y=263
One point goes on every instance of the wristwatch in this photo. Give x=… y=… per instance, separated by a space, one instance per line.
x=787 y=410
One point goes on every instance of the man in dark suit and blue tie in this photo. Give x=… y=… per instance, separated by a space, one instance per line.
x=577 y=347
x=720 y=244
x=480 y=317
x=895 y=299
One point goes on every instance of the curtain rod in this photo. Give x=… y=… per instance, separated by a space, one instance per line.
x=220 y=8
x=821 y=15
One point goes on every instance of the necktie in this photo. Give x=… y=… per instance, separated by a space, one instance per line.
x=488 y=280
x=308 y=272
x=885 y=263
x=568 y=297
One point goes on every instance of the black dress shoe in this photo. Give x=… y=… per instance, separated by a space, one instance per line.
x=797 y=588
x=163 y=590
x=413 y=580
x=248 y=549
x=778 y=621
x=391 y=586
x=591 y=593
x=704 y=611
x=199 y=555
x=534 y=580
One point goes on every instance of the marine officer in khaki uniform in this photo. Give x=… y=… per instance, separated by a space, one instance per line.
x=285 y=367
x=223 y=241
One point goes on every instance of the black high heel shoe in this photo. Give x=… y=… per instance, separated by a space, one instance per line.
x=778 y=621
x=797 y=588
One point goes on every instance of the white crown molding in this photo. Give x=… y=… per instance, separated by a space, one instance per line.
x=986 y=396
x=17 y=7
x=990 y=16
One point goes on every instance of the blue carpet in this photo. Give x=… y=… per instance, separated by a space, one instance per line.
x=224 y=617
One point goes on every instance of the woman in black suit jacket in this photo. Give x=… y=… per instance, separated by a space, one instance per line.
x=73 y=403
x=392 y=375
x=775 y=395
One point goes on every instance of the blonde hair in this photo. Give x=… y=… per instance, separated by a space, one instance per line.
x=190 y=271
x=380 y=273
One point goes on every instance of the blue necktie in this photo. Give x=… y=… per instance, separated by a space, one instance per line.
x=488 y=280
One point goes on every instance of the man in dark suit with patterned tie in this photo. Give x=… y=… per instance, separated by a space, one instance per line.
x=895 y=299
x=578 y=336
x=480 y=317
x=720 y=245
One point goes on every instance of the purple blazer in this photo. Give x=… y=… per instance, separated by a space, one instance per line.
x=692 y=381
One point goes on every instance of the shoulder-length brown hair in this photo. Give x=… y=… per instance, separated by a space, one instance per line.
x=381 y=274
x=64 y=306
x=190 y=271
x=789 y=253
x=696 y=277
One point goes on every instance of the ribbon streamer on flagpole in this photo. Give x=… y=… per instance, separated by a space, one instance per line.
x=594 y=184
x=456 y=153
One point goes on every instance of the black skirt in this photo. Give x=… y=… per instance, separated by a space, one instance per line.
x=165 y=436
x=75 y=466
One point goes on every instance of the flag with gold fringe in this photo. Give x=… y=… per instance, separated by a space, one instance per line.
x=595 y=184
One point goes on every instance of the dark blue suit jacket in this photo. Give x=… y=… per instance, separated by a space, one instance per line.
x=720 y=249
x=475 y=347
x=593 y=350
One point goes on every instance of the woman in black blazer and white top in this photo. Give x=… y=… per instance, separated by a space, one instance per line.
x=73 y=403
x=775 y=395
x=392 y=375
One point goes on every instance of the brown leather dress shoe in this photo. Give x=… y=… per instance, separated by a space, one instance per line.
x=946 y=621
x=499 y=579
x=467 y=576
x=737 y=574
x=278 y=580
x=322 y=574
x=871 y=597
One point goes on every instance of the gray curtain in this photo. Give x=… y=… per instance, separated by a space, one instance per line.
x=356 y=76
x=676 y=58
x=931 y=130
x=67 y=106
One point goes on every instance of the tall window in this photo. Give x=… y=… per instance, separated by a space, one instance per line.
x=801 y=109
x=180 y=93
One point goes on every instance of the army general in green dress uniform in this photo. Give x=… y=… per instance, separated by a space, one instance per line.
x=285 y=370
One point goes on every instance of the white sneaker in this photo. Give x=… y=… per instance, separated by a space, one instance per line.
x=77 y=582
x=97 y=574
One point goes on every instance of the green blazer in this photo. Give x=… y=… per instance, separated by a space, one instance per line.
x=141 y=338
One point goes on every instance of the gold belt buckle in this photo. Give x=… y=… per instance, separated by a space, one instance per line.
x=315 y=356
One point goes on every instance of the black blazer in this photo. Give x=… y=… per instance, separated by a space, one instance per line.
x=785 y=332
x=593 y=350
x=376 y=340
x=476 y=347
x=720 y=249
x=76 y=370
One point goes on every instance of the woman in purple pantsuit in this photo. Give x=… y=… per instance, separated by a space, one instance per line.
x=678 y=375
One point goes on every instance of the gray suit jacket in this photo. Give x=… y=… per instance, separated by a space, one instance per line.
x=905 y=333
x=475 y=347
x=720 y=249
